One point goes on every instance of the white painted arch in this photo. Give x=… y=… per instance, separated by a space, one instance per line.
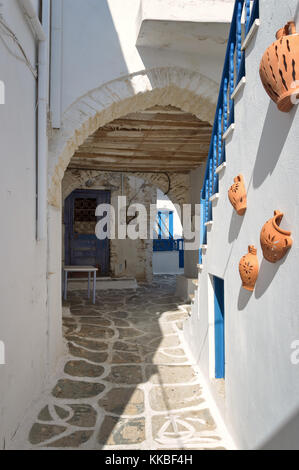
x=186 y=89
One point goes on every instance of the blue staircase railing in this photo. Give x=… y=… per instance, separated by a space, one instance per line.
x=233 y=71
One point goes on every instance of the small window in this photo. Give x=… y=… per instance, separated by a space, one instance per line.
x=84 y=215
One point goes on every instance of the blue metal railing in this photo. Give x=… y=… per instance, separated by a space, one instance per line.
x=233 y=71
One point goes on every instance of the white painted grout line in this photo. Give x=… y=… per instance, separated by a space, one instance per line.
x=228 y=440
x=202 y=438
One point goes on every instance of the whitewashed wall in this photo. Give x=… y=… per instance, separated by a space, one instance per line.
x=261 y=385
x=97 y=46
x=23 y=294
x=108 y=31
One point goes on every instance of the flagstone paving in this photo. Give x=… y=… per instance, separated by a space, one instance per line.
x=127 y=382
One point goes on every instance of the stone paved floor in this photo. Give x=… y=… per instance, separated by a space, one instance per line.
x=127 y=382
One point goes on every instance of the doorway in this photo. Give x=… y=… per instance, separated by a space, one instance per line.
x=82 y=247
x=219 y=328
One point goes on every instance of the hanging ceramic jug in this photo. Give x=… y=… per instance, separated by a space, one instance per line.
x=279 y=68
x=237 y=195
x=275 y=241
x=249 y=269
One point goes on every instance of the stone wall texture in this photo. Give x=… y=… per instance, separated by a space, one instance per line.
x=128 y=258
x=175 y=86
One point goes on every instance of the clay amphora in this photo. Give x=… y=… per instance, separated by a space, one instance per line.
x=275 y=241
x=237 y=195
x=249 y=269
x=279 y=68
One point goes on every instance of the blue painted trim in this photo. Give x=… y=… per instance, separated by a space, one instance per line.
x=219 y=328
x=93 y=248
x=159 y=225
x=225 y=115
x=170 y=224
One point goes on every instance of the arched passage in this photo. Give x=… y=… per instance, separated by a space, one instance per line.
x=183 y=88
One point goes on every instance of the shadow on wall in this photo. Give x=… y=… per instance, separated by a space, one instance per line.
x=275 y=131
x=235 y=227
x=267 y=273
x=244 y=297
x=101 y=54
x=286 y=437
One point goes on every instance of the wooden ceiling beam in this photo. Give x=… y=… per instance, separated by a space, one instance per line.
x=107 y=167
x=142 y=157
x=171 y=147
x=165 y=133
x=161 y=138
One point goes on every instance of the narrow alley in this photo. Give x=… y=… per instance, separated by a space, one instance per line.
x=127 y=382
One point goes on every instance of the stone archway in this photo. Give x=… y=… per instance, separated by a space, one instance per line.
x=185 y=89
x=179 y=87
x=93 y=179
x=176 y=185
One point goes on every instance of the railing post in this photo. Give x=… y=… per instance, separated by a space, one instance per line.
x=210 y=188
x=201 y=234
x=219 y=139
x=225 y=117
x=239 y=37
x=247 y=16
x=215 y=160
x=206 y=210
x=231 y=74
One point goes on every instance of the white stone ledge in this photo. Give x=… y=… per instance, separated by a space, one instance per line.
x=229 y=131
x=251 y=34
x=215 y=197
x=221 y=168
x=239 y=87
x=209 y=223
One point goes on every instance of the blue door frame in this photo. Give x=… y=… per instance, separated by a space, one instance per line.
x=85 y=249
x=165 y=240
x=219 y=328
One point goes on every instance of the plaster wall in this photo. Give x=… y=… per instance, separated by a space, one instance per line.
x=24 y=324
x=261 y=402
x=115 y=24
x=191 y=256
x=166 y=262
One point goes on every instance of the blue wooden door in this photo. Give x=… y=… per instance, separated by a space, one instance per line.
x=82 y=247
x=219 y=328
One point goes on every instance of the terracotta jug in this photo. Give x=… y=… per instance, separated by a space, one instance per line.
x=279 y=68
x=237 y=195
x=275 y=241
x=249 y=269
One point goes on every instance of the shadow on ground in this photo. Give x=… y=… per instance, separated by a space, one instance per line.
x=127 y=382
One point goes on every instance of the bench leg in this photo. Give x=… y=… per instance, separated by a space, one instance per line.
x=94 y=286
x=89 y=285
x=65 y=284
